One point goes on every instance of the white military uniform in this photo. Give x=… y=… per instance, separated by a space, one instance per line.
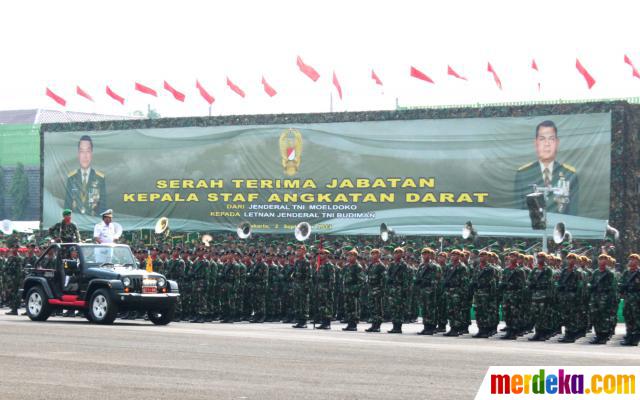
x=105 y=233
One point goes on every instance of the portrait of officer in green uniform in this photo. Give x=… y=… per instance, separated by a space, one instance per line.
x=548 y=171
x=85 y=188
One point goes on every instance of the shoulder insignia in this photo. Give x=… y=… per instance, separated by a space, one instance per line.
x=72 y=173
x=526 y=166
x=100 y=173
x=569 y=167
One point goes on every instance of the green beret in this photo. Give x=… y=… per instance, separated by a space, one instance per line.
x=347 y=248
x=66 y=212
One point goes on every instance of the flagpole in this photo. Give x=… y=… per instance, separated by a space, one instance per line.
x=330 y=101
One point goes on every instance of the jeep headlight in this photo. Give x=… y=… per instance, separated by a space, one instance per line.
x=162 y=282
x=126 y=281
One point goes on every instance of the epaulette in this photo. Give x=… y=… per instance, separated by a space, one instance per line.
x=72 y=173
x=569 y=167
x=526 y=166
x=100 y=173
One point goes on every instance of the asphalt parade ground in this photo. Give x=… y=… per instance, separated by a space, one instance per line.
x=70 y=358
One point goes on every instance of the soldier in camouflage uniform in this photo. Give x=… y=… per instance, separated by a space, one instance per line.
x=353 y=281
x=339 y=291
x=604 y=300
x=14 y=275
x=3 y=277
x=65 y=231
x=514 y=294
x=186 y=285
x=456 y=286
x=199 y=272
x=630 y=291
x=301 y=283
x=274 y=292
x=288 y=306
x=541 y=287
x=326 y=283
x=376 y=276
x=484 y=284
x=240 y=284
x=227 y=278
x=427 y=283
x=260 y=280
x=584 y=323
x=398 y=277
x=175 y=272
x=570 y=288
x=441 y=316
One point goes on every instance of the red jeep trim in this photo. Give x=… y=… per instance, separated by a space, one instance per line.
x=68 y=300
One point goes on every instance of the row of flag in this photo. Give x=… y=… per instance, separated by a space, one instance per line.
x=313 y=74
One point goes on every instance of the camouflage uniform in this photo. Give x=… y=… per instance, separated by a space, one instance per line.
x=301 y=283
x=212 y=308
x=630 y=291
x=353 y=282
x=398 y=277
x=239 y=289
x=274 y=292
x=326 y=283
x=227 y=279
x=514 y=294
x=570 y=292
x=67 y=233
x=541 y=287
x=427 y=282
x=199 y=286
x=260 y=276
x=376 y=282
x=603 y=304
x=485 y=283
x=456 y=286
x=14 y=277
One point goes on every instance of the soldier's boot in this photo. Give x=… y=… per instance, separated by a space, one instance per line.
x=482 y=334
x=539 y=336
x=453 y=332
x=12 y=312
x=630 y=340
x=427 y=330
x=326 y=324
x=492 y=331
x=208 y=318
x=300 y=325
x=510 y=335
x=569 y=337
x=397 y=328
x=69 y=314
x=600 y=338
x=351 y=327
x=375 y=327
x=441 y=328
x=504 y=329
x=464 y=330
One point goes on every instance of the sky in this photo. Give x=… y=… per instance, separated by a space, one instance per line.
x=61 y=44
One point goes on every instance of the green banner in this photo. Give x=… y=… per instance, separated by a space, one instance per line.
x=426 y=176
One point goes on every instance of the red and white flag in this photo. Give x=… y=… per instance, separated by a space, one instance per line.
x=176 y=94
x=115 y=96
x=416 y=73
x=534 y=66
x=205 y=95
x=374 y=76
x=496 y=78
x=267 y=88
x=453 y=73
x=82 y=93
x=585 y=74
x=308 y=70
x=56 y=98
x=145 y=89
x=634 y=71
x=235 y=88
x=336 y=83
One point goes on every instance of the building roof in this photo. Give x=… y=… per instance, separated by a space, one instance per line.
x=43 y=116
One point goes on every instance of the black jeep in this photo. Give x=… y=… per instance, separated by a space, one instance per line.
x=98 y=279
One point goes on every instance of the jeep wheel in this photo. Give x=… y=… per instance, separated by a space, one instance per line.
x=162 y=317
x=102 y=309
x=38 y=308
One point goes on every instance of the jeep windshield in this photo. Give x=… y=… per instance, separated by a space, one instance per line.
x=108 y=256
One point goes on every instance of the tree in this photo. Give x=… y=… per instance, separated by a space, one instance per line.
x=19 y=192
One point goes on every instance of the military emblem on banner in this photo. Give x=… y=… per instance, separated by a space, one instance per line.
x=291 y=150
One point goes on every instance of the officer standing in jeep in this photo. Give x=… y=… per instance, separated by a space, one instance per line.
x=65 y=231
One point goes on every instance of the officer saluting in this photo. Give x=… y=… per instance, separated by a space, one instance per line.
x=107 y=231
